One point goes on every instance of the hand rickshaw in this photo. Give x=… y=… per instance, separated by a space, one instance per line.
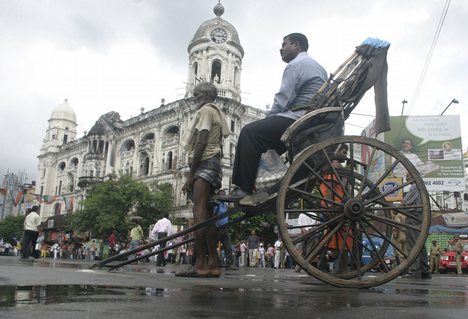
x=348 y=197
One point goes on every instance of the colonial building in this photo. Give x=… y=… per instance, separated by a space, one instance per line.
x=146 y=146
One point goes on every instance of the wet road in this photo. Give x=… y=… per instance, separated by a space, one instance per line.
x=69 y=289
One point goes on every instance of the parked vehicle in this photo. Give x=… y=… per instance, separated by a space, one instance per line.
x=368 y=252
x=447 y=261
x=6 y=249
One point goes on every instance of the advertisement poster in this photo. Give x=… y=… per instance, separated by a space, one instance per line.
x=433 y=145
x=389 y=184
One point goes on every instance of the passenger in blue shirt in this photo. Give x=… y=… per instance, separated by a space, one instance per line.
x=302 y=77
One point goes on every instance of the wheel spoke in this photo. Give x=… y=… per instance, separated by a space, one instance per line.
x=380 y=180
x=374 y=249
x=382 y=195
x=395 y=245
x=324 y=241
x=322 y=180
x=342 y=250
x=343 y=186
x=319 y=229
x=389 y=221
x=315 y=196
x=366 y=172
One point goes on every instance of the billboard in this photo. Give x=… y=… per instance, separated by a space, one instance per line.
x=433 y=144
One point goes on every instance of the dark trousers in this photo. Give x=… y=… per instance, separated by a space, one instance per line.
x=225 y=238
x=28 y=243
x=421 y=264
x=160 y=260
x=254 y=139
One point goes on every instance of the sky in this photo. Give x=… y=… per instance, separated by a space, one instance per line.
x=122 y=55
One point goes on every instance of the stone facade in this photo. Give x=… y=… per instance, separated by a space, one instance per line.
x=145 y=146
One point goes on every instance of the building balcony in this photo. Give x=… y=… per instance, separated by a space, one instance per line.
x=86 y=181
x=148 y=147
x=94 y=157
x=127 y=154
x=170 y=142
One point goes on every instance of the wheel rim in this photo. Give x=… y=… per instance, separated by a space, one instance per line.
x=353 y=211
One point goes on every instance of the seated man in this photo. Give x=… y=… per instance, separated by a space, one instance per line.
x=302 y=77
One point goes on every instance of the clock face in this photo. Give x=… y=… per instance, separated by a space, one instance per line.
x=218 y=35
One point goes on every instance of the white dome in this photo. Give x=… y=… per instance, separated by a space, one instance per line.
x=64 y=112
x=202 y=35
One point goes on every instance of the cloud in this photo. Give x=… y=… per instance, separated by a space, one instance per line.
x=121 y=55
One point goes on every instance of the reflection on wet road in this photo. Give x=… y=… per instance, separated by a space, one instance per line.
x=57 y=290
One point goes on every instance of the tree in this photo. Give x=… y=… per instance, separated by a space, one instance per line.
x=263 y=225
x=107 y=205
x=11 y=227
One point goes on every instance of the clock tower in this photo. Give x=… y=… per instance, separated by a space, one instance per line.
x=215 y=55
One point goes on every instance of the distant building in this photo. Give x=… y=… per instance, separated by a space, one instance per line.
x=146 y=146
x=16 y=196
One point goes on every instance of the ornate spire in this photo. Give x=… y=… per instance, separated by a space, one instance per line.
x=218 y=9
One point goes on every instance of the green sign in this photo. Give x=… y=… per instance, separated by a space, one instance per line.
x=433 y=144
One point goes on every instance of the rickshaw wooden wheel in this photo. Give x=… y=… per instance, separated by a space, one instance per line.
x=351 y=202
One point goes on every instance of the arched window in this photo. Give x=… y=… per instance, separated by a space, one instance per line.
x=101 y=147
x=216 y=71
x=169 y=160
x=61 y=166
x=71 y=182
x=146 y=166
x=148 y=138
x=236 y=77
x=128 y=145
x=57 y=209
x=195 y=73
x=74 y=162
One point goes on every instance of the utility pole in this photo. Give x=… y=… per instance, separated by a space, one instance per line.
x=454 y=101
x=403 y=106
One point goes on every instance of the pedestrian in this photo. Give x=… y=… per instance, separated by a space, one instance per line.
x=162 y=229
x=243 y=256
x=278 y=246
x=136 y=236
x=306 y=221
x=183 y=254
x=190 y=260
x=56 y=251
x=261 y=251
x=237 y=255
x=434 y=258
x=112 y=240
x=253 y=243
x=31 y=233
x=302 y=77
x=270 y=255
x=420 y=267
x=224 y=235
x=399 y=236
x=44 y=249
x=458 y=254
x=203 y=141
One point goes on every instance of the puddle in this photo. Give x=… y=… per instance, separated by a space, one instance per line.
x=11 y=296
x=16 y=297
